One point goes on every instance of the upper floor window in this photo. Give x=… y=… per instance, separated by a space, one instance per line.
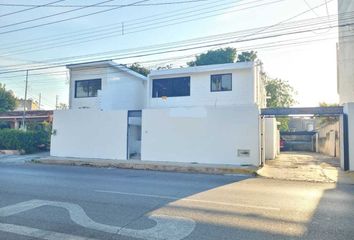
x=221 y=82
x=171 y=87
x=87 y=88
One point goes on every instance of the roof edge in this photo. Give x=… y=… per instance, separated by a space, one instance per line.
x=108 y=63
x=204 y=68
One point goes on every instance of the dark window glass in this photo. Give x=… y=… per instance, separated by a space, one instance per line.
x=87 y=88
x=221 y=82
x=171 y=87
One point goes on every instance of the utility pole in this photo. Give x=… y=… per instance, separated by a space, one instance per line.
x=39 y=101
x=25 y=103
x=122 y=28
x=56 y=101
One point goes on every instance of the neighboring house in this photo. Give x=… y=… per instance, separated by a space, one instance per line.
x=30 y=105
x=204 y=114
x=328 y=139
x=301 y=124
x=14 y=118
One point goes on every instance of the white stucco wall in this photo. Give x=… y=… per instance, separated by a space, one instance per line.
x=346 y=53
x=244 y=89
x=201 y=134
x=124 y=93
x=89 y=134
x=271 y=138
x=120 y=90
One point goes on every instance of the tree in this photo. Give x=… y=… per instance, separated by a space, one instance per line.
x=7 y=99
x=247 y=56
x=62 y=106
x=219 y=56
x=136 y=67
x=280 y=94
x=324 y=121
x=168 y=66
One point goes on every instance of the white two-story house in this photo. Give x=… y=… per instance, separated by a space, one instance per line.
x=206 y=114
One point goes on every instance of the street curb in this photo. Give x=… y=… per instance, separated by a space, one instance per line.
x=161 y=166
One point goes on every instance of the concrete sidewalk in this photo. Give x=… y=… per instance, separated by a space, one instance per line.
x=152 y=165
x=20 y=159
x=302 y=166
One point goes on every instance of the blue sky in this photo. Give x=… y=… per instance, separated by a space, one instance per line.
x=310 y=67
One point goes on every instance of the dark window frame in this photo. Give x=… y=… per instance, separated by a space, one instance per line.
x=88 y=92
x=211 y=82
x=174 y=90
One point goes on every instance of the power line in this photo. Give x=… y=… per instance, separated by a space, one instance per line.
x=271 y=45
x=52 y=15
x=170 y=51
x=100 y=36
x=68 y=43
x=31 y=8
x=71 y=18
x=202 y=46
x=169 y=46
x=113 y=26
x=102 y=6
x=258 y=31
x=309 y=6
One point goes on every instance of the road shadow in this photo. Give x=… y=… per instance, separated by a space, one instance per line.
x=333 y=218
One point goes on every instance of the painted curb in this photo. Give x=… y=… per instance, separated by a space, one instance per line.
x=190 y=168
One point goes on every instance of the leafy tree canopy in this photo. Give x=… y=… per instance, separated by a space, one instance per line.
x=247 y=56
x=279 y=93
x=323 y=121
x=7 y=99
x=324 y=104
x=218 y=56
x=139 y=69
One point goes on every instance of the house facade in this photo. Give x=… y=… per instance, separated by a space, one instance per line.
x=212 y=85
x=205 y=114
x=105 y=85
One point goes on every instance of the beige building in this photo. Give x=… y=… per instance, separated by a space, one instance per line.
x=346 y=51
x=30 y=105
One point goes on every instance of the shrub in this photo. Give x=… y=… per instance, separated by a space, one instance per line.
x=27 y=141
x=4 y=124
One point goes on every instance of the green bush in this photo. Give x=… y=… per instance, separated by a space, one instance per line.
x=4 y=124
x=27 y=141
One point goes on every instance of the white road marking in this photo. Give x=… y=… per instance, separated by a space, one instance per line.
x=167 y=227
x=192 y=200
x=38 y=233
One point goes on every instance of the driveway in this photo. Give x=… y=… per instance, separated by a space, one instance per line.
x=301 y=166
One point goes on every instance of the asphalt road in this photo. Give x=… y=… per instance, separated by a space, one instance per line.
x=81 y=203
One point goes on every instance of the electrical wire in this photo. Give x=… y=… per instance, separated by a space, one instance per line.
x=70 y=18
x=102 y=6
x=221 y=36
x=103 y=28
x=31 y=8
